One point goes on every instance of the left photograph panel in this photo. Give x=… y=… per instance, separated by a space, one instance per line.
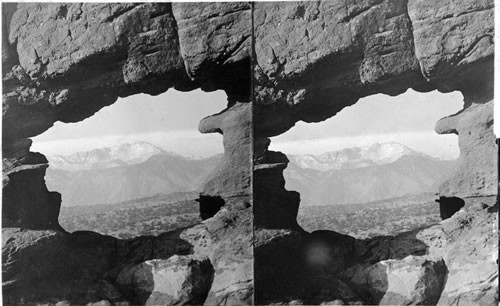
x=127 y=154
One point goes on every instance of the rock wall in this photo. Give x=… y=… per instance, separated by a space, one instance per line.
x=312 y=59
x=304 y=72
x=305 y=61
x=64 y=62
x=67 y=61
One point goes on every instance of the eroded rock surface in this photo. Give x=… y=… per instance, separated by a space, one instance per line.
x=312 y=59
x=477 y=174
x=73 y=59
x=78 y=268
x=226 y=239
x=468 y=242
x=304 y=72
x=64 y=62
x=409 y=281
x=179 y=280
x=450 y=263
x=69 y=60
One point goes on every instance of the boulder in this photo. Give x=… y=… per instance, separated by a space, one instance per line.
x=179 y=280
x=48 y=265
x=412 y=280
x=42 y=266
x=468 y=242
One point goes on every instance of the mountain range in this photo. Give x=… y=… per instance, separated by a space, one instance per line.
x=360 y=175
x=125 y=172
x=138 y=170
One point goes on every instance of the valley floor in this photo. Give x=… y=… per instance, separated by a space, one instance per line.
x=141 y=217
x=367 y=220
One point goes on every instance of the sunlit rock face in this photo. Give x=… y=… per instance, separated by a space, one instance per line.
x=477 y=174
x=305 y=72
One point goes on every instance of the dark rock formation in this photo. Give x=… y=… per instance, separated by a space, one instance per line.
x=275 y=207
x=450 y=263
x=52 y=266
x=448 y=206
x=209 y=206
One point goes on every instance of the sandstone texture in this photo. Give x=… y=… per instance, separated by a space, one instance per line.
x=304 y=72
x=295 y=61
x=226 y=239
x=468 y=242
x=477 y=174
x=64 y=62
x=179 y=280
x=73 y=59
x=408 y=281
x=77 y=268
x=450 y=263
x=312 y=59
x=67 y=61
x=232 y=177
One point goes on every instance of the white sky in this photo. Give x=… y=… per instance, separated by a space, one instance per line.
x=169 y=120
x=408 y=118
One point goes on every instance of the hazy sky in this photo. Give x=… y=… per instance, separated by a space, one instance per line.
x=409 y=119
x=169 y=120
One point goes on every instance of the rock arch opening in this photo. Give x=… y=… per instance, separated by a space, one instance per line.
x=313 y=259
x=134 y=168
x=375 y=167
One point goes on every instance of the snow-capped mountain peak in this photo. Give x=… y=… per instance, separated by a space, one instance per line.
x=384 y=153
x=109 y=157
x=133 y=153
x=357 y=157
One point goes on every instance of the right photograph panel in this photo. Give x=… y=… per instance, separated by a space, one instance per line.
x=375 y=177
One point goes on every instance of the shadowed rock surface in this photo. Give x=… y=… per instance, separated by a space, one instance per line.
x=450 y=263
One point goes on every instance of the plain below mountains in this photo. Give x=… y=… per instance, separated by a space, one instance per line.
x=125 y=172
x=360 y=175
